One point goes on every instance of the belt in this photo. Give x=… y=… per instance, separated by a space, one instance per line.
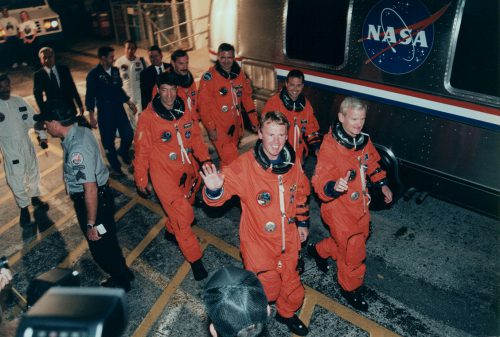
x=100 y=191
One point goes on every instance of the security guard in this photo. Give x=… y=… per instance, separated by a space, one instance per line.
x=104 y=91
x=86 y=178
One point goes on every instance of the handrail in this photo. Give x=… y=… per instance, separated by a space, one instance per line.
x=182 y=23
x=149 y=26
x=183 y=38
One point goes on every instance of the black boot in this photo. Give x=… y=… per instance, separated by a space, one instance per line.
x=24 y=218
x=294 y=324
x=115 y=283
x=199 y=271
x=35 y=201
x=321 y=263
x=355 y=299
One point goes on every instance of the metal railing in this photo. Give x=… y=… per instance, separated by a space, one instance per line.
x=168 y=25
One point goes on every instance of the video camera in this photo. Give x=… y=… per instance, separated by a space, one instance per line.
x=76 y=312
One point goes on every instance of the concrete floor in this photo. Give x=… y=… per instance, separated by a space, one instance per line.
x=433 y=269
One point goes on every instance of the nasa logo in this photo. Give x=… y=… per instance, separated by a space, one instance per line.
x=398 y=35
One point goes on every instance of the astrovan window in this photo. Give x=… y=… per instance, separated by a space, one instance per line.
x=316 y=30
x=476 y=65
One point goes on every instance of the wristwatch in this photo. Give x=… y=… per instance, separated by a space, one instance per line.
x=89 y=225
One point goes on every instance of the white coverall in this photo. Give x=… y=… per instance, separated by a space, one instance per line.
x=19 y=157
x=130 y=72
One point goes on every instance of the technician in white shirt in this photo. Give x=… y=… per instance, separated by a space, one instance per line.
x=130 y=67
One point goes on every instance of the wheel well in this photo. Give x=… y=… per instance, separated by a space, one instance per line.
x=390 y=164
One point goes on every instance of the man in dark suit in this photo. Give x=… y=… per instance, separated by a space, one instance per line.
x=149 y=75
x=54 y=82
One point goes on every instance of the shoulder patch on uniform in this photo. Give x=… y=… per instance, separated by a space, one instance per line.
x=207 y=76
x=76 y=158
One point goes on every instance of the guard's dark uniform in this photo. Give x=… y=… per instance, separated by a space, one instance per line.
x=106 y=93
x=82 y=164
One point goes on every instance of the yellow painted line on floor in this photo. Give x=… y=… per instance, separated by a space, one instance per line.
x=152 y=234
x=307 y=309
x=57 y=150
x=144 y=269
x=219 y=243
x=27 y=247
x=82 y=247
x=375 y=329
x=162 y=302
x=19 y=296
x=153 y=206
x=43 y=174
x=14 y=221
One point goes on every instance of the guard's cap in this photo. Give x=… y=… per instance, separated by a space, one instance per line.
x=235 y=300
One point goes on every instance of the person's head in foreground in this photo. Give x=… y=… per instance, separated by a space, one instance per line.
x=236 y=303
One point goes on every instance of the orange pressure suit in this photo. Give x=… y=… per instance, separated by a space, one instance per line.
x=346 y=214
x=304 y=127
x=269 y=242
x=166 y=144
x=221 y=99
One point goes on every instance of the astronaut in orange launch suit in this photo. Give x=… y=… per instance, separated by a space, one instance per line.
x=224 y=93
x=169 y=146
x=346 y=160
x=304 y=127
x=273 y=191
